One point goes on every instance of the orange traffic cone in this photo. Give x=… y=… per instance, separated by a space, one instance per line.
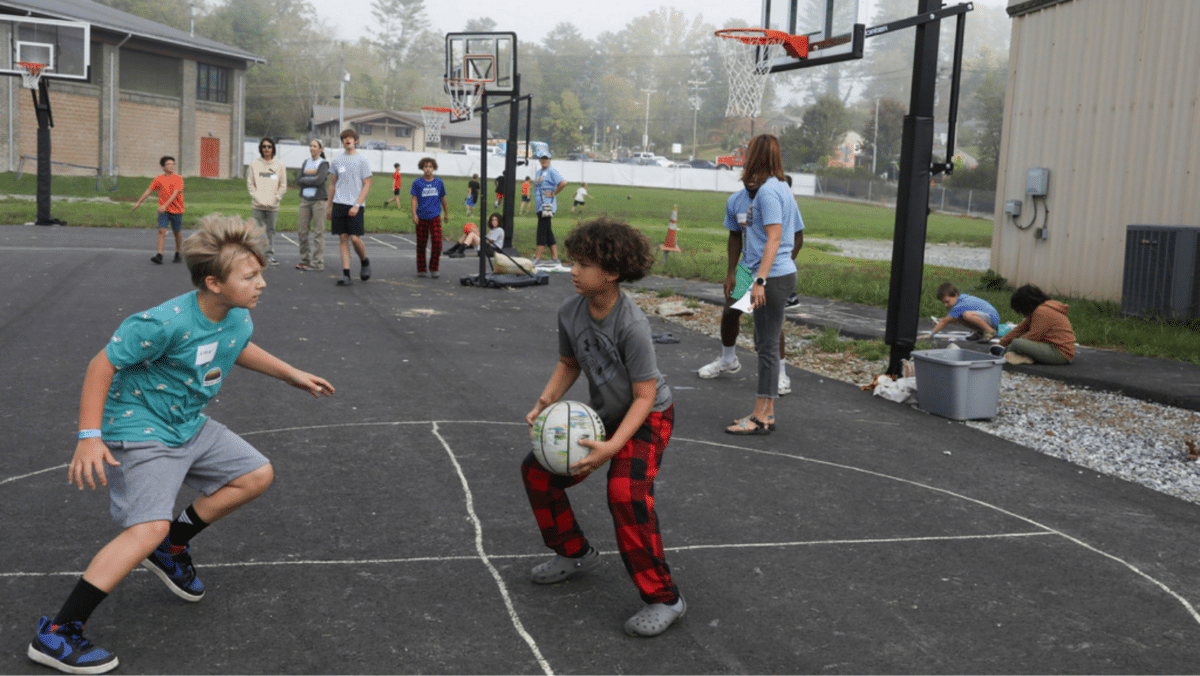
x=672 y=229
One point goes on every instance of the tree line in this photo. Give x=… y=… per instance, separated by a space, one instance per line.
x=660 y=76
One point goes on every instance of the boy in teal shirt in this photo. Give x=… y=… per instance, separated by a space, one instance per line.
x=141 y=414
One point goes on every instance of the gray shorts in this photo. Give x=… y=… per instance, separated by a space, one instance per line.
x=145 y=485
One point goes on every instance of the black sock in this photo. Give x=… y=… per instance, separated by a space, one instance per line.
x=345 y=272
x=185 y=527
x=80 y=604
x=364 y=261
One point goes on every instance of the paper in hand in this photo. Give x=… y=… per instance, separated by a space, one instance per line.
x=743 y=304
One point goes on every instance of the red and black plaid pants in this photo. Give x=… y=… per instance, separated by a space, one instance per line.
x=631 y=475
x=429 y=230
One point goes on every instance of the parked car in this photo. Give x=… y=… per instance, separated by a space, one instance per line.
x=286 y=141
x=375 y=145
x=661 y=161
x=702 y=164
x=579 y=157
x=395 y=147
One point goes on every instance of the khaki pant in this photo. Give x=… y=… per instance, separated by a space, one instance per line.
x=312 y=216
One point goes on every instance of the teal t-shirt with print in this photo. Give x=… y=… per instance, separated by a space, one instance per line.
x=170 y=361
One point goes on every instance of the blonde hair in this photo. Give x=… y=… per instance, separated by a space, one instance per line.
x=212 y=249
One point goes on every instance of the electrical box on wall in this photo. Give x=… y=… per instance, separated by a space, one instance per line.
x=1037 y=182
x=1012 y=207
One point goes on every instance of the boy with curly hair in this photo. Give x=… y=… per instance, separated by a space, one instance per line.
x=141 y=413
x=603 y=334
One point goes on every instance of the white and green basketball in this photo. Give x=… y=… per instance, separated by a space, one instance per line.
x=557 y=432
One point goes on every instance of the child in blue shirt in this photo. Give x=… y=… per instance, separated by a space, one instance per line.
x=428 y=205
x=975 y=313
x=141 y=414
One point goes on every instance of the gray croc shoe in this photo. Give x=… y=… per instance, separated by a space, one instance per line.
x=654 y=619
x=562 y=568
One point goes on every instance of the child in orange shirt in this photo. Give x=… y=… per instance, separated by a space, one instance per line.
x=170 y=206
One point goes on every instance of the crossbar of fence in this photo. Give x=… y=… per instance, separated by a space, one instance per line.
x=106 y=177
x=966 y=201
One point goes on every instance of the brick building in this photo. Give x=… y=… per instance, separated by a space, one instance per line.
x=152 y=90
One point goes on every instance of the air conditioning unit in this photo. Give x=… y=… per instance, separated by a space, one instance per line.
x=1162 y=272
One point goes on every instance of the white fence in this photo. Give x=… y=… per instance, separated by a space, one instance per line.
x=599 y=173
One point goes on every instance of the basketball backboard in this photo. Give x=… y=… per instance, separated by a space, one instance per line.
x=489 y=58
x=833 y=28
x=63 y=46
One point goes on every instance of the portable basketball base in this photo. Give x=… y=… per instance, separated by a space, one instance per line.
x=917 y=166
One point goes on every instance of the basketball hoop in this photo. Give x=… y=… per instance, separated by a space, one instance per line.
x=435 y=119
x=31 y=73
x=748 y=54
x=463 y=93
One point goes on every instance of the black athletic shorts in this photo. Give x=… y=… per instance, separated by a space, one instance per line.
x=342 y=223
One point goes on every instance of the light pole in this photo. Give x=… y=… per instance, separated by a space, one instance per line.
x=695 y=111
x=342 y=102
x=646 y=133
x=875 y=141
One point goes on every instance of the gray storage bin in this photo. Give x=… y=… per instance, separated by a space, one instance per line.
x=958 y=384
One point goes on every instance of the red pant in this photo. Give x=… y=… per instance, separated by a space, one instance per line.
x=631 y=475
x=430 y=230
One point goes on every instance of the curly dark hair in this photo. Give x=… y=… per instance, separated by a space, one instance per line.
x=1027 y=298
x=614 y=245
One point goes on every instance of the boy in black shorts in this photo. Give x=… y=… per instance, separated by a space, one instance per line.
x=141 y=414
x=347 y=201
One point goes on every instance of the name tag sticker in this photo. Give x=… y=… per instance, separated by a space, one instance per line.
x=205 y=354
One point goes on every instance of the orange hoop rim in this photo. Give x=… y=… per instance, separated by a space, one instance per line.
x=33 y=67
x=434 y=109
x=796 y=45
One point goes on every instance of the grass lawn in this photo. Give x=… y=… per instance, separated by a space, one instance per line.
x=701 y=235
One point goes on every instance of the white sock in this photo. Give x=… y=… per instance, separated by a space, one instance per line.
x=729 y=354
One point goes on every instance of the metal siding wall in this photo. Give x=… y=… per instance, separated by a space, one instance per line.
x=1103 y=93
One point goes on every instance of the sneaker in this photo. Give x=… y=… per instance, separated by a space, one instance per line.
x=719 y=366
x=537 y=262
x=176 y=571
x=562 y=568
x=178 y=258
x=364 y=273
x=345 y=281
x=156 y=258
x=63 y=647
x=422 y=274
x=793 y=300
x=785 y=383
x=434 y=274
x=271 y=262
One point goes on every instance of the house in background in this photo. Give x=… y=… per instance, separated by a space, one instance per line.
x=392 y=128
x=1101 y=112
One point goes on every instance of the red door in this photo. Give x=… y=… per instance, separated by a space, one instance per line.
x=210 y=157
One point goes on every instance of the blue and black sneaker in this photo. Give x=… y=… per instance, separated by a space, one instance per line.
x=173 y=565
x=63 y=647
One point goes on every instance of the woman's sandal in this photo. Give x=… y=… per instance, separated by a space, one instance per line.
x=770 y=422
x=748 y=426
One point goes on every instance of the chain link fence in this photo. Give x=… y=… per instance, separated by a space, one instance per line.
x=969 y=202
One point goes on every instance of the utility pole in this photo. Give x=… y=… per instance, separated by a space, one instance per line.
x=342 y=93
x=646 y=133
x=695 y=110
x=875 y=141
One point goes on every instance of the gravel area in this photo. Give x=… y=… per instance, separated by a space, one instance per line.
x=1135 y=440
x=949 y=255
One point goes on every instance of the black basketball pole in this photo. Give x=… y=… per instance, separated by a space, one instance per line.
x=912 y=199
x=41 y=104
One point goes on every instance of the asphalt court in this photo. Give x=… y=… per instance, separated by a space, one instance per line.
x=861 y=537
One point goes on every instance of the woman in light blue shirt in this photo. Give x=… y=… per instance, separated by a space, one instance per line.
x=770 y=234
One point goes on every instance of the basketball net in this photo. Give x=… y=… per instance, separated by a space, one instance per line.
x=31 y=73
x=463 y=93
x=748 y=54
x=435 y=120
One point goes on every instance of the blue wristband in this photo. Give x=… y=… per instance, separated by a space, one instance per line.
x=89 y=434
